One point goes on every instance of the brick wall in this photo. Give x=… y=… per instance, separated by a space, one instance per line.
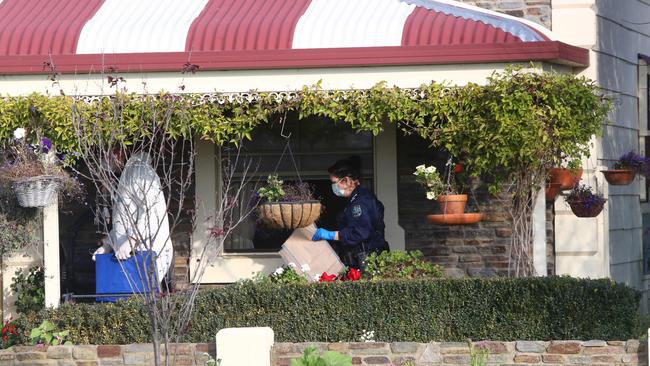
x=478 y=250
x=538 y=11
x=597 y=353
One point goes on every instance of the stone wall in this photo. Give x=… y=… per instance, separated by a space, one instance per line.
x=187 y=354
x=595 y=353
x=538 y=11
x=478 y=250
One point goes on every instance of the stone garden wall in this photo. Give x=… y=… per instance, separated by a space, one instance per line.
x=595 y=353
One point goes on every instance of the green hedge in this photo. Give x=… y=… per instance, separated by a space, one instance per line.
x=440 y=310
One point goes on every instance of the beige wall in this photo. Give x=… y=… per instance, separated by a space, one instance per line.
x=607 y=28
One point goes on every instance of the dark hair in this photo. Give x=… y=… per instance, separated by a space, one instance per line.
x=349 y=167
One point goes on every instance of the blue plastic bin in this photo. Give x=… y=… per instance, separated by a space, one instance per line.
x=111 y=278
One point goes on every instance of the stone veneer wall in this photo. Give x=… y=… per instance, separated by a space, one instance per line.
x=539 y=11
x=554 y=353
x=478 y=250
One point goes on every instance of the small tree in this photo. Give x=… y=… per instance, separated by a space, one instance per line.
x=511 y=130
x=157 y=128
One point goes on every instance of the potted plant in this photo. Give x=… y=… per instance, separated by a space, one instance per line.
x=34 y=170
x=565 y=177
x=448 y=194
x=584 y=202
x=626 y=168
x=287 y=206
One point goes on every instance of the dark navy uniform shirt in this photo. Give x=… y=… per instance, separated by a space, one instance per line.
x=362 y=222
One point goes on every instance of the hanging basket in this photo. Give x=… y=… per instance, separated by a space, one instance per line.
x=580 y=210
x=619 y=177
x=552 y=190
x=289 y=215
x=452 y=203
x=566 y=178
x=36 y=191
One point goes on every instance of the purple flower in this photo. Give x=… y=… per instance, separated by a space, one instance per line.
x=46 y=145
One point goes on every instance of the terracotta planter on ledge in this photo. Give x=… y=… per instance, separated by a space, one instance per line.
x=619 y=177
x=580 y=210
x=566 y=178
x=452 y=203
x=453 y=211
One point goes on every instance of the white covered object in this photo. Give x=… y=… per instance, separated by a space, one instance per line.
x=139 y=215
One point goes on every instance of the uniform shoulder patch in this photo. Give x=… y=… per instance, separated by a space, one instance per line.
x=357 y=211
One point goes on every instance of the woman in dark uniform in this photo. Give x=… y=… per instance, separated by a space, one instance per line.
x=361 y=224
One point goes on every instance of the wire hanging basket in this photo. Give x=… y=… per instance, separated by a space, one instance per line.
x=38 y=191
x=289 y=215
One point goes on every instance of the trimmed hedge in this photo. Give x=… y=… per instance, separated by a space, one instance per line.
x=433 y=310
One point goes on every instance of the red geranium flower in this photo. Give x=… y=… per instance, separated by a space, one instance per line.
x=353 y=275
x=327 y=277
x=458 y=168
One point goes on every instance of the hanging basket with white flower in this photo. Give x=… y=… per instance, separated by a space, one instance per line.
x=447 y=193
x=287 y=206
x=33 y=170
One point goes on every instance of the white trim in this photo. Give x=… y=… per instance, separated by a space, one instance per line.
x=539 y=234
x=51 y=264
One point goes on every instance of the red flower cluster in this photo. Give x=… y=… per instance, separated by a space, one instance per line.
x=352 y=274
x=9 y=334
x=458 y=168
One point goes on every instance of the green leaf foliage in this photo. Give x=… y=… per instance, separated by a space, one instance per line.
x=412 y=310
x=311 y=357
x=515 y=122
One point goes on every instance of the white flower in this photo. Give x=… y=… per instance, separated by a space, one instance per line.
x=431 y=196
x=317 y=278
x=19 y=133
x=279 y=271
x=292 y=265
x=431 y=169
x=305 y=268
x=420 y=167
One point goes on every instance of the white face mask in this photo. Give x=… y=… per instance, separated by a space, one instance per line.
x=337 y=190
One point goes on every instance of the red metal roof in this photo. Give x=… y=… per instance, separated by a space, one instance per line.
x=162 y=35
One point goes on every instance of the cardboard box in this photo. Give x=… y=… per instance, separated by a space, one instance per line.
x=317 y=255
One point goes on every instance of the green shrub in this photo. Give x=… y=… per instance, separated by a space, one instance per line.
x=415 y=310
x=400 y=265
x=29 y=290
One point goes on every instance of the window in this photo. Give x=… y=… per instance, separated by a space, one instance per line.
x=316 y=143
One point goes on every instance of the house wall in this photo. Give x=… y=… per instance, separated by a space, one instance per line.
x=478 y=250
x=616 y=32
x=538 y=11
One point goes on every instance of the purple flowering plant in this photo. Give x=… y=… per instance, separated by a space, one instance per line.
x=29 y=155
x=634 y=161
x=585 y=196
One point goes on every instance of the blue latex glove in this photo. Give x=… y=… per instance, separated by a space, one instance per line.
x=322 y=234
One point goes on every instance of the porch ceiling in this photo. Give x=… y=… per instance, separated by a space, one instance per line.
x=163 y=35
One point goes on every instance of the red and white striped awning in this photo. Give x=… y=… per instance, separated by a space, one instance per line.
x=159 y=35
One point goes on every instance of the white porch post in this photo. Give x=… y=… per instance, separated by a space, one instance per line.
x=386 y=186
x=51 y=264
x=539 y=234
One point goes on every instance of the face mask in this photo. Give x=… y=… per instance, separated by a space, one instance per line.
x=337 y=190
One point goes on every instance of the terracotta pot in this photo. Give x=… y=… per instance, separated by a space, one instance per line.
x=619 y=177
x=289 y=215
x=580 y=210
x=552 y=190
x=452 y=203
x=567 y=178
x=455 y=219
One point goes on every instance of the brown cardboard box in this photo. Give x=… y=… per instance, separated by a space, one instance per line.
x=318 y=255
